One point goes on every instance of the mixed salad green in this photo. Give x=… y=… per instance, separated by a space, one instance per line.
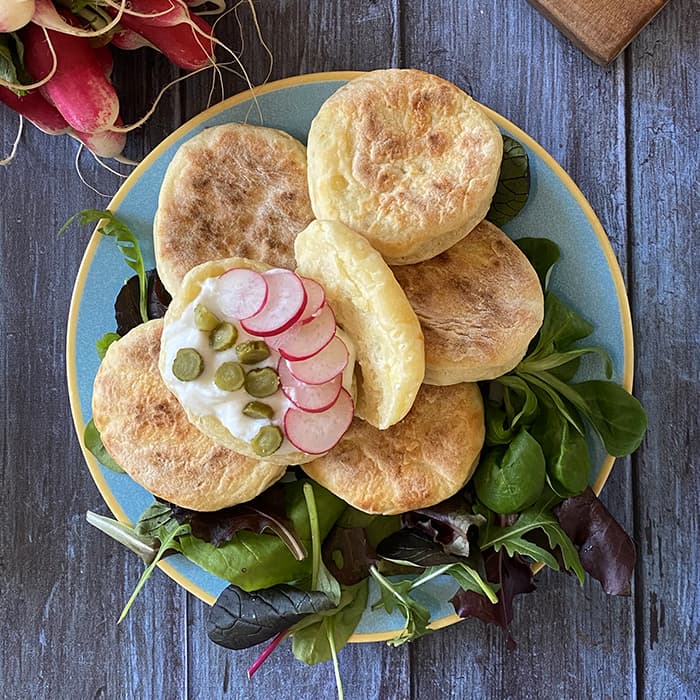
x=299 y=560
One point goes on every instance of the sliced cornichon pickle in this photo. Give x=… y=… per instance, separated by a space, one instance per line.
x=229 y=376
x=188 y=364
x=261 y=382
x=204 y=319
x=223 y=336
x=252 y=351
x=258 y=409
x=267 y=441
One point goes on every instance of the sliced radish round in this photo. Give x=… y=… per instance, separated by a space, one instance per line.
x=315 y=297
x=324 y=365
x=286 y=298
x=308 y=397
x=306 y=338
x=243 y=292
x=316 y=433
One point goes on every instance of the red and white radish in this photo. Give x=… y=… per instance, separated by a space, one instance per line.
x=306 y=338
x=286 y=300
x=186 y=39
x=34 y=107
x=129 y=40
x=315 y=297
x=79 y=89
x=316 y=433
x=106 y=144
x=308 y=397
x=324 y=365
x=15 y=14
x=243 y=292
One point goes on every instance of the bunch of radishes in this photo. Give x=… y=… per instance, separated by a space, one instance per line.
x=291 y=314
x=55 y=64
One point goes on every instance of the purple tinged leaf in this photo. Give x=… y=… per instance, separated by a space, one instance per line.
x=514 y=577
x=267 y=512
x=348 y=554
x=127 y=305
x=606 y=551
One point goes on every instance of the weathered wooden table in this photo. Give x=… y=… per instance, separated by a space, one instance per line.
x=628 y=134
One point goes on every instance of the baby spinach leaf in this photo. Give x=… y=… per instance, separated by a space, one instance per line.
x=111 y=226
x=513 y=183
x=310 y=640
x=565 y=452
x=513 y=538
x=254 y=561
x=103 y=343
x=561 y=327
x=513 y=576
x=265 y=513
x=542 y=254
x=240 y=619
x=396 y=595
x=607 y=552
x=616 y=415
x=509 y=479
x=93 y=442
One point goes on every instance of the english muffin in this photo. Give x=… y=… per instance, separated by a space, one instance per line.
x=373 y=310
x=231 y=190
x=146 y=431
x=422 y=460
x=405 y=158
x=217 y=410
x=479 y=304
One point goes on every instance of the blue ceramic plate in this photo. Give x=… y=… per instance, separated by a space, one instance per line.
x=587 y=277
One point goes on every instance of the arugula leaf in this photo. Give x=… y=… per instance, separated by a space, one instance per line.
x=93 y=442
x=396 y=594
x=240 y=619
x=513 y=183
x=111 y=226
x=103 y=343
x=512 y=538
x=470 y=580
x=168 y=535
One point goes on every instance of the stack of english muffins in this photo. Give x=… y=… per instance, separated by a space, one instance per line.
x=401 y=168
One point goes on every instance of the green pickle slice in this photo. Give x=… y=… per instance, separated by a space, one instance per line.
x=188 y=364
x=252 y=351
x=261 y=382
x=229 y=376
x=258 y=409
x=204 y=319
x=267 y=441
x=223 y=336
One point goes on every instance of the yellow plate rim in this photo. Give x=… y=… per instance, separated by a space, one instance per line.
x=520 y=135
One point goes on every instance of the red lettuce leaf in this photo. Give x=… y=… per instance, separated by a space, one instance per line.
x=127 y=311
x=606 y=551
x=514 y=576
x=348 y=554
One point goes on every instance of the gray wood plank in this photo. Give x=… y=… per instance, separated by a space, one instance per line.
x=582 y=125
x=665 y=217
x=63 y=583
